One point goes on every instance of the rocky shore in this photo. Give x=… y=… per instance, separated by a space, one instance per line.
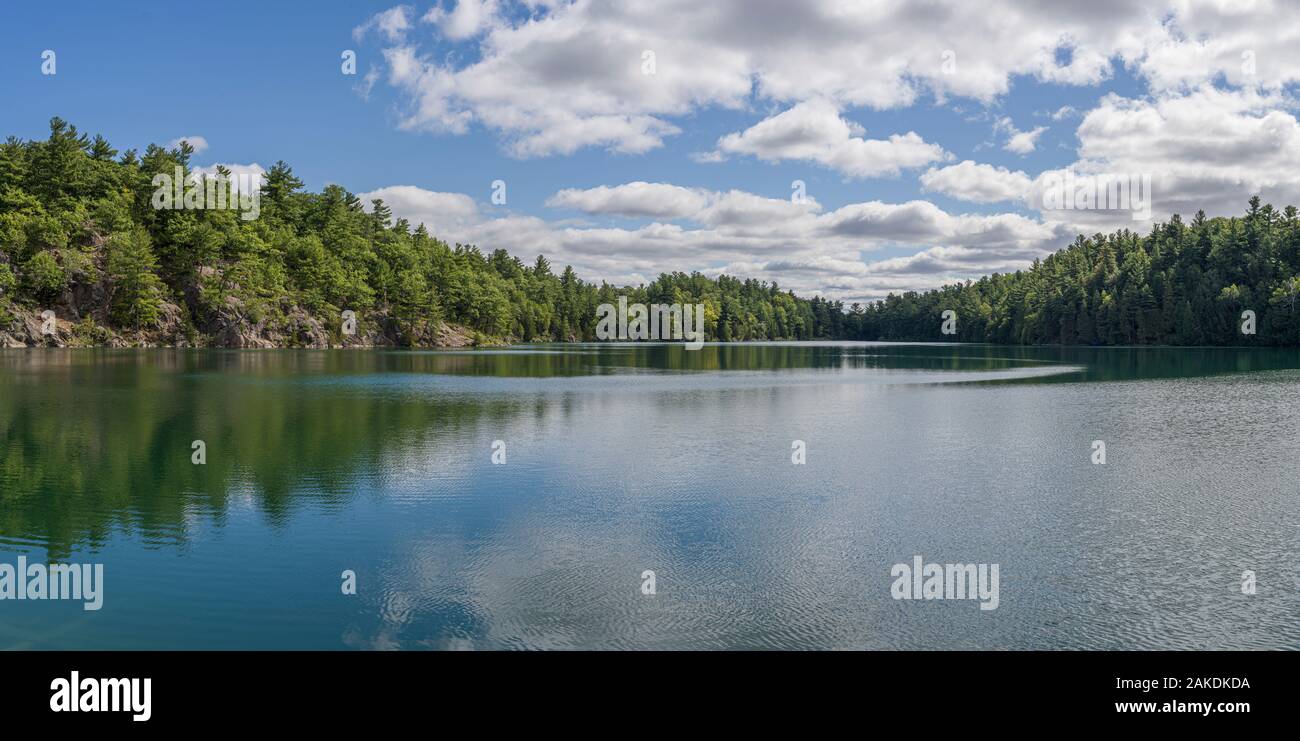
x=231 y=328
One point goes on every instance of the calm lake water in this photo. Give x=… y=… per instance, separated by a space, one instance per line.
x=627 y=458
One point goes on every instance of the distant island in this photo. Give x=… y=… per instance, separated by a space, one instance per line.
x=99 y=248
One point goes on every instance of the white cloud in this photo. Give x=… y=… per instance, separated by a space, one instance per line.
x=367 y=83
x=1205 y=149
x=1018 y=142
x=1213 y=125
x=392 y=24
x=744 y=234
x=814 y=131
x=653 y=200
x=252 y=174
x=919 y=222
x=1023 y=142
x=564 y=76
x=199 y=143
x=707 y=158
x=439 y=212
x=736 y=210
x=1243 y=42
x=979 y=183
x=465 y=19
x=744 y=212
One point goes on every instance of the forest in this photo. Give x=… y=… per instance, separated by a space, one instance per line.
x=1181 y=284
x=81 y=235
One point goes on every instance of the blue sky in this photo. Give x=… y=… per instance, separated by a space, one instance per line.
x=260 y=82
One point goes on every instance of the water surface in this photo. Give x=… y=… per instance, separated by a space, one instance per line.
x=623 y=458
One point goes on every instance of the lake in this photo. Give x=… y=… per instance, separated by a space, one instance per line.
x=614 y=460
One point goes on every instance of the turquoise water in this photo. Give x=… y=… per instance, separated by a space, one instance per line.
x=626 y=458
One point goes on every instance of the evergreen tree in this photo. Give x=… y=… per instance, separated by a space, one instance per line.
x=137 y=290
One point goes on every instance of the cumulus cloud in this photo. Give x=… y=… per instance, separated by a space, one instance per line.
x=392 y=24
x=979 y=183
x=735 y=209
x=465 y=19
x=1019 y=142
x=801 y=245
x=1245 y=43
x=562 y=76
x=814 y=131
x=1212 y=125
x=241 y=175
x=197 y=142
x=439 y=212
x=948 y=261
x=639 y=199
x=1208 y=149
x=1024 y=142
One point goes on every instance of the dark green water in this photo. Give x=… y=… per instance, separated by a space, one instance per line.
x=625 y=458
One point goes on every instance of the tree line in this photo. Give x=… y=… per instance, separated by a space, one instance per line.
x=1181 y=284
x=79 y=232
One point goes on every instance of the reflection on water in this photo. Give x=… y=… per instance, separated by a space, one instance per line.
x=625 y=457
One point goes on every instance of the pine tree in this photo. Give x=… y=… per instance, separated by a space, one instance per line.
x=137 y=290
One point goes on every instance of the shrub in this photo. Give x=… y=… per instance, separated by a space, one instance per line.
x=43 y=277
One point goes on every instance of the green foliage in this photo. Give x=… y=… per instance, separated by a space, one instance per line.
x=86 y=333
x=137 y=291
x=324 y=252
x=1182 y=284
x=43 y=277
x=8 y=282
x=71 y=203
